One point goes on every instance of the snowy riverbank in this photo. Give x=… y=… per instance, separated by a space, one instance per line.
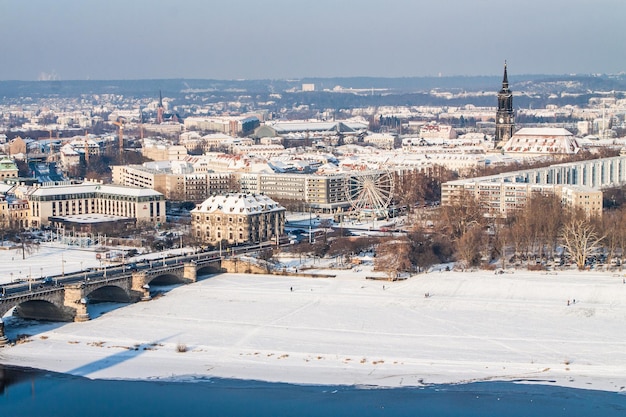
x=349 y=330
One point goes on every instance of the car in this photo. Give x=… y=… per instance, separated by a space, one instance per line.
x=47 y=282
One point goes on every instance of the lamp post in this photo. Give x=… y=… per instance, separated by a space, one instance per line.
x=62 y=266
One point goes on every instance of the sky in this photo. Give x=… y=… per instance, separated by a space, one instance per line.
x=283 y=39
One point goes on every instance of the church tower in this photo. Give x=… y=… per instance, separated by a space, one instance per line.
x=505 y=119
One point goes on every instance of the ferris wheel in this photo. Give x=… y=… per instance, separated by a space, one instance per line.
x=370 y=193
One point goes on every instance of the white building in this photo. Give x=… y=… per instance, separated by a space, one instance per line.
x=82 y=203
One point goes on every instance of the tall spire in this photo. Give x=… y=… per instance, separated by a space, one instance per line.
x=505 y=79
x=505 y=116
x=160 y=110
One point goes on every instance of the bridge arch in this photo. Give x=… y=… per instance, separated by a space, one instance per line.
x=40 y=309
x=165 y=279
x=109 y=293
x=208 y=269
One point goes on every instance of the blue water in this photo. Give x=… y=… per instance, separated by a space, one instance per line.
x=35 y=393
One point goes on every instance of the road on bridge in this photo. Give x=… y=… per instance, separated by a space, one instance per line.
x=109 y=273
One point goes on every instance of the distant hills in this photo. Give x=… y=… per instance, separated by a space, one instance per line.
x=408 y=90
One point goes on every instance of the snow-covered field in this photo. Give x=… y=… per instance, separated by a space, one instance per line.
x=51 y=258
x=349 y=330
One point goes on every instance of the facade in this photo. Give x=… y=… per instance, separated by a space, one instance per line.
x=161 y=151
x=233 y=126
x=502 y=199
x=14 y=213
x=535 y=141
x=198 y=186
x=505 y=117
x=382 y=140
x=238 y=218
x=16 y=146
x=69 y=157
x=8 y=169
x=437 y=131
x=139 y=176
x=87 y=202
x=325 y=193
x=579 y=185
x=586 y=199
x=175 y=184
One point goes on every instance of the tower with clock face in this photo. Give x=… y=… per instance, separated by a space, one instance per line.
x=505 y=118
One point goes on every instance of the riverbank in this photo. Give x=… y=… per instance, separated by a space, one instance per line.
x=472 y=326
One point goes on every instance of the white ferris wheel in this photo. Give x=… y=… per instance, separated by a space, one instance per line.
x=370 y=193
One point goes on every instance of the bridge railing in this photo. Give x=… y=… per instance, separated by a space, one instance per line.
x=30 y=293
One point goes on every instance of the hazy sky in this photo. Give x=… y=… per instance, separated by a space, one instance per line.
x=232 y=39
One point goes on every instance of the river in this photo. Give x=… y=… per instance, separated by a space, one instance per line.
x=30 y=392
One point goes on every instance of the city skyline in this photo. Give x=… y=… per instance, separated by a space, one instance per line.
x=281 y=39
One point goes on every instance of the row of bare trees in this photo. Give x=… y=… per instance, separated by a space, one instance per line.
x=540 y=231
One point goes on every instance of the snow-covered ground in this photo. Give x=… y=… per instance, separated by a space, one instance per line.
x=51 y=258
x=350 y=330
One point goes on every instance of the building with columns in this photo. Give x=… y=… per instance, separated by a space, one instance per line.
x=90 y=203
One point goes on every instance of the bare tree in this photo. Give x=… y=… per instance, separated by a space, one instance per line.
x=469 y=246
x=392 y=256
x=410 y=187
x=580 y=239
x=612 y=227
x=463 y=214
x=422 y=245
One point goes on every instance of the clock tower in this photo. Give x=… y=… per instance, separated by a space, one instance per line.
x=505 y=119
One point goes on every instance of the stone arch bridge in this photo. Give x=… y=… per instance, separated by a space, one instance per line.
x=68 y=302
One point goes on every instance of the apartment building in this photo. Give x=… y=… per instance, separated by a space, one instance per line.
x=321 y=192
x=578 y=184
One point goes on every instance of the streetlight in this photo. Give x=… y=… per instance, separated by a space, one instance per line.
x=41 y=272
x=62 y=266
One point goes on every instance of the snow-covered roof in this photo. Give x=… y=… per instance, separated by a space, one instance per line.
x=543 y=131
x=90 y=218
x=4 y=188
x=94 y=188
x=542 y=140
x=238 y=203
